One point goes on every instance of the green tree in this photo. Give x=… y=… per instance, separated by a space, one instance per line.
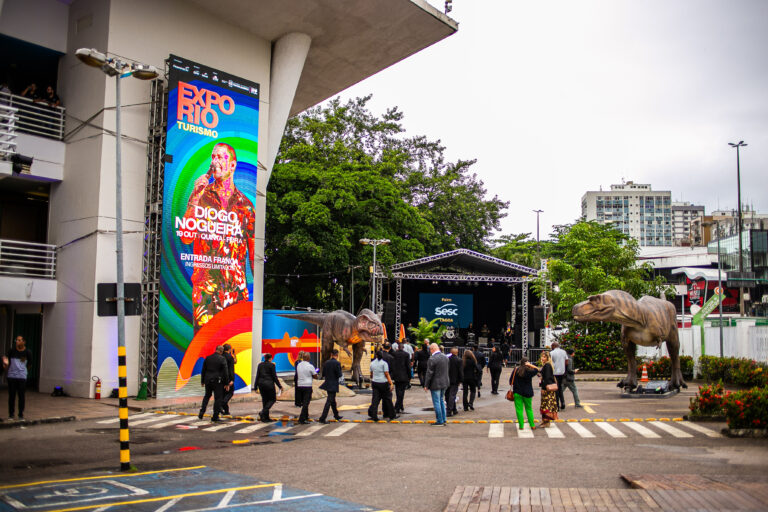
x=589 y=258
x=522 y=249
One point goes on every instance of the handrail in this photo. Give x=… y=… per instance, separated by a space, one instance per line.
x=27 y=259
x=35 y=117
x=8 y=119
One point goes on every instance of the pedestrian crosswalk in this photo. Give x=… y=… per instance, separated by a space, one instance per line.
x=496 y=429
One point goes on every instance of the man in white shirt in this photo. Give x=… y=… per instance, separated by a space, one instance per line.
x=305 y=372
x=559 y=357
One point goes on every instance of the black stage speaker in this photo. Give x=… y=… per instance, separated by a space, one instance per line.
x=388 y=317
x=539 y=317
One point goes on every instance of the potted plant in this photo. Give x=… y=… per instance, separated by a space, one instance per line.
x=428 y=330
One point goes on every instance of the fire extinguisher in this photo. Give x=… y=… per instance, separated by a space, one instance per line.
x=97 y=394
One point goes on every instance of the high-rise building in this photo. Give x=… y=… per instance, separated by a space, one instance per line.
x=682 y=215
x=634 y=209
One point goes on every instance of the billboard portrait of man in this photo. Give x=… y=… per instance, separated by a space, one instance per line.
x=225 y=220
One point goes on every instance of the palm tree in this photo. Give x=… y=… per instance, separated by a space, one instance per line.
x=428 y=330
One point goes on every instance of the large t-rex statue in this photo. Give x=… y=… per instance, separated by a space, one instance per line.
x=345 y=329
x=648 y=321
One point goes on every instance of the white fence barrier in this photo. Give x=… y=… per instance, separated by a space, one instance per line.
x=743 y=340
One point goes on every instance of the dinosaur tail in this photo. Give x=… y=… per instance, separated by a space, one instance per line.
x=313 y=318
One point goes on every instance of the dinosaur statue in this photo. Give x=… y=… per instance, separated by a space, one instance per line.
x=647 y=322
x=345 y=329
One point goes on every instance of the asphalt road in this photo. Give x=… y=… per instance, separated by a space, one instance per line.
x=402 y=467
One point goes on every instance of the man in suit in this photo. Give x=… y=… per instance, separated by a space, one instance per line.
x=422 y=356
x=214 y=376
x=332 y=374
x=455 y=376
x=436 y=381
x=387 y=407
x=229 y=389
x=400 y=371
x=480 y=366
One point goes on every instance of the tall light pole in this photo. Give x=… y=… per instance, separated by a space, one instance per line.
x=119 y=69
x=740 y=144
x=719 y=279
x=538 y=246
x=375 y=243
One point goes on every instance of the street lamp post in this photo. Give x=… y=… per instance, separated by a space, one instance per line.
x=538 y=247
x=119 y=69
x=740 y=144
x=375 y=243
x=719 y=280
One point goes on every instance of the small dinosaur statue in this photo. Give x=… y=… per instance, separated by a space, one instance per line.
x=345 y=329
x=648 y=322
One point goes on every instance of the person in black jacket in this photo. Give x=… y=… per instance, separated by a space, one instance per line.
x=422 y=357
x=480 y=358
x=400 y=371
x=455 y=376
x=520 y=380
x=229 y=389
x=266 y=380
x=332 y=375
x=469 y=380
x=214 y=376
x=387 y=407
x=495 y=362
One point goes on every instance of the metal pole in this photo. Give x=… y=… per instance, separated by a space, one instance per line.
x=373 y=281
x=741 y=255
x=125 y=452
x=352 y=292
x=720 y=286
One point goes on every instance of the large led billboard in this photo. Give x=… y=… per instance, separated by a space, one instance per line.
x=209 y=216
x=450 y=309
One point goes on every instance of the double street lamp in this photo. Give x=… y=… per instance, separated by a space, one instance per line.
x=119 y=69
x=738 y=145
x=375 y=243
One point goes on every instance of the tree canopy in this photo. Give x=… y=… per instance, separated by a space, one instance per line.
x=343 y=174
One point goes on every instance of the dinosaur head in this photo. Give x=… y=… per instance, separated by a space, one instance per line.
x=369 y=326
x=597 y=308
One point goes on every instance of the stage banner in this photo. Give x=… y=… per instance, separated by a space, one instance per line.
x=284 y=338
x=209 y=197
x=450 y=309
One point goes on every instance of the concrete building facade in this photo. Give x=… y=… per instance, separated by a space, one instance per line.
x=683 y=213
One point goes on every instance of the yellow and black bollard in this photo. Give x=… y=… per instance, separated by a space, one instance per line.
x=125 y=451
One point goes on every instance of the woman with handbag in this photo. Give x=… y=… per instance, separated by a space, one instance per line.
x=522 y=390
x=548 y=386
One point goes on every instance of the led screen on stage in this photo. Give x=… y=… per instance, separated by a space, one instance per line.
x=451 y=309
x=284 y=338
x=209 y=198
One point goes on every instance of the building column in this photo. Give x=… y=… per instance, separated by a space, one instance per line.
x=289 y=53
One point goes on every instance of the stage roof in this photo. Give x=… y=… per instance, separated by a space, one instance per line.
x=463 y=262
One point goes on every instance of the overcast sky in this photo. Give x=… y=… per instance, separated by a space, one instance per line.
x=554 y=98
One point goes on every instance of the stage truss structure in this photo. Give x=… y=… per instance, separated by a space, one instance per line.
x=153 y=218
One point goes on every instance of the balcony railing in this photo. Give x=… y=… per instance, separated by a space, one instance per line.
x=26 y=259
x=35 y=118
x=8 y=118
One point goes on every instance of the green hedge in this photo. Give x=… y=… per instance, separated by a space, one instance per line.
x=599 y=351
x=731 y=370
x=747 y=408
x=662 y=368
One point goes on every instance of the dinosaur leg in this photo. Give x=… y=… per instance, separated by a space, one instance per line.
x=357 y=356
x=673 y=347
x=630 y=381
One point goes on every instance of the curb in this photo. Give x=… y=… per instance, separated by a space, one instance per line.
x=42 y=421
x=745 y=432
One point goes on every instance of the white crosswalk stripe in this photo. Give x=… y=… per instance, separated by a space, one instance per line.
x=200 y=423
x=526 y=433
x=496 y=430
x=640 y=429
x=154 y=418
x=700 y=429
x=130 y=418
x=280 y=430
x=341 y=430
x=310 y=430
x=609 y=429
x=252 y=428
x=669 y=429
x=221 y=426
x=174 y=421
x=554 y=432
x=581 y=430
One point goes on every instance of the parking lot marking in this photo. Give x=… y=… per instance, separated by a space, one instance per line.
x=642 y=430
x=670 y=429
x=136 y=417
x=581 y=429
x=251 y=428
x=496 y=430
x=610 y=430
x=526 y=433
x=700 y=429
x=173 y=421
x=554 y=432
x=310 y=430
x=102 y=477
x=341 y=430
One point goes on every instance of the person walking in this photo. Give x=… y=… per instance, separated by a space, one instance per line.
x=409 y=349
x=522 y=386
x=436 y=381
x=548 y=407
x=387 y=406
x=480 y=358
x=495 y=362
x=401 y=374
x=229 y=389
x=455 y=376
x=469 y=379
x=570 y=377
x=305 y=372
x=265 y=382
x=16 y=362
x=332 y=375
x=559 y=357
x=381 y=383
x=422 y=356
x=213 y=377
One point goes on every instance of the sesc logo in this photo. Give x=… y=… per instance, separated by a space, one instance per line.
x=447 y=310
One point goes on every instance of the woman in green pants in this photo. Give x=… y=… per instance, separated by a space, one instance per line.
x=520 y=380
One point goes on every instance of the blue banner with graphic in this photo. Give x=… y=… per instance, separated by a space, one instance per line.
x=450 y=309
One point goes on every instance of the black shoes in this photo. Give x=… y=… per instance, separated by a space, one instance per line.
x=303 y=422
x=339 y=418
x=324 y=422
x=200 y=415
